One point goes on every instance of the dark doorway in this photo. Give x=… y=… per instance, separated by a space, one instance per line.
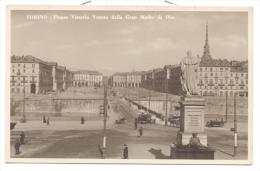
x=33 y=88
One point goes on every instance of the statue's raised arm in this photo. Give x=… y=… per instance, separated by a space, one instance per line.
x=189 y=65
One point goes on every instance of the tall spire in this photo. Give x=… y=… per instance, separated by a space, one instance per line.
x=206 y=53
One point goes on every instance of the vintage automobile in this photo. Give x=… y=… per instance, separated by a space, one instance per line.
x=145 y=119
x=174 y=121
x=215 y=123
x=120 y=120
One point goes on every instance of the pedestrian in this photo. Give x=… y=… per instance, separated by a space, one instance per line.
x=172 y=146
x=136 y=124
x=43 y=119
x=125 y=152
x=22 y=138
x=141 y=131
x=17 y=146
x=48 y=121
x=82 y=120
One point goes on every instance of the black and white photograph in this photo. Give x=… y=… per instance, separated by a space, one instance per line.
x=129 y=85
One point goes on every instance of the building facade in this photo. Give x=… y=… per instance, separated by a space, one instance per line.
x=30 y=74
x=220 y=77
x=87 y=78
x=166 y=79
x=126 y=79
x=215 y=77
x=34 y=75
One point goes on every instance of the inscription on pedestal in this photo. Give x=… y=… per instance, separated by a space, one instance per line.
x=193 y=121
x=192 y=115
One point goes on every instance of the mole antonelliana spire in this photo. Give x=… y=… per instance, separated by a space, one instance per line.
x=206 y=53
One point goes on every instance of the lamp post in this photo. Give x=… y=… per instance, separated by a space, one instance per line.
x=23 y=117
x=105 y=116
x=149 y=101
x=167 y=76
x=235 y=125
x=150 y=90
x=226 y=106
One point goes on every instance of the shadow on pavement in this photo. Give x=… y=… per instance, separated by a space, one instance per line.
x=158 y=153
x=222 y=151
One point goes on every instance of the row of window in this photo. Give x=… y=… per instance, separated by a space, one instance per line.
x=221 y=81
x=22 y=71
x=220 y=93
x=224 y=87
x=222 y=74
x=24 y=65
x=214 y=68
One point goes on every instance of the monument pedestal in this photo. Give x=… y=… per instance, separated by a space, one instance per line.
x=192 y=120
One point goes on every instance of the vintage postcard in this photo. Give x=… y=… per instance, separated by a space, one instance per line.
x=146 y=85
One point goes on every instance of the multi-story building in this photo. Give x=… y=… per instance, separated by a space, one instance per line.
x=126 y=79
x=119 y=80
x=165 y=79
x=86 y=78
x=34 y=75
x=218 y=77
x=30 y=74
x=133 y=79
x=215 y=77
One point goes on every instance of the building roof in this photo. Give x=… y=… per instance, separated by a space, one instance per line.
x=30 y=59
x=61 y=67
x=171 y=66
x=239 y=66
x=128 y=73
x=87 y=72
x=215 y=63
x=25 y=59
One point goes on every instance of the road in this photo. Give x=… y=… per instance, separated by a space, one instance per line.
x=82 y=142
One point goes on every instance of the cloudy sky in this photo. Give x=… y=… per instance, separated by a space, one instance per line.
x=126 y=45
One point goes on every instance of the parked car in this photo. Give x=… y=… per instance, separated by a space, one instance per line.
x=145 y=119
x=215 y=123
x=120 y=120
x=174 y=121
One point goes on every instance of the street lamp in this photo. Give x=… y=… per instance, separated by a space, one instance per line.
x=23 y=119
x=235 y=125
x=105 y=116
x=167 y=76
x=226 y=106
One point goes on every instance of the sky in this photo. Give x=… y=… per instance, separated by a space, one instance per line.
x=139 y=44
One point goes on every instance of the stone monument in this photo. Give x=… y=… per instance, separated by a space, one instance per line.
x=192 y=105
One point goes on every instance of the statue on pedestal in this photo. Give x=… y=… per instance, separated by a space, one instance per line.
x=189 y=65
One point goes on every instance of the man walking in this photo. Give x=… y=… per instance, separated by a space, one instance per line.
x=22 y=138
x=140 y=131
x=17 y=146
x=125 y=152
x=135 y=123
x=43 y=119
x=48 y=121
x=82 y=120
